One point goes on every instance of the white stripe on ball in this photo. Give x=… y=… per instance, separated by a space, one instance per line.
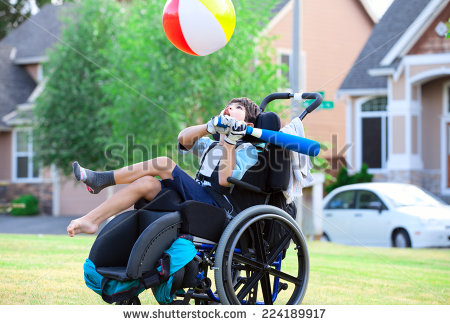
x=201 y=30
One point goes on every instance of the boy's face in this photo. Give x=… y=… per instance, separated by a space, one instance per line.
x=235 y=110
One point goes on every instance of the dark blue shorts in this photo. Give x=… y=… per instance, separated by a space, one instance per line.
x=187 y=187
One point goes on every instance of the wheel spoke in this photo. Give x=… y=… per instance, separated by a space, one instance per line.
x=279 y=247
x=266 y=290
x=251 y=282
x=284 y=276
x=259 y=243
x=255 y=265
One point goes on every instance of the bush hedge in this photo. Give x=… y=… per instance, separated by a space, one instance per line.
x=343 y=178
x=31 y=206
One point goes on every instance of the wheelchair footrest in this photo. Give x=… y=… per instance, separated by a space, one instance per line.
x=118 y=273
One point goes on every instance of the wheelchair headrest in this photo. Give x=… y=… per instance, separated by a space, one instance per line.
x=265 y=120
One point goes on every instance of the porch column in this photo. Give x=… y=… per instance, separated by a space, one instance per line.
x=404 y=125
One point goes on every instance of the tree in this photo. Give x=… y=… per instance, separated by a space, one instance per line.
x=158 y=90
x=69 y=125
x=13 y=13
x=142 y=90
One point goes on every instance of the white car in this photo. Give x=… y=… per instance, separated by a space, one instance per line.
x=385 y=214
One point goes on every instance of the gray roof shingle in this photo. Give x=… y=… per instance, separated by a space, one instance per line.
x=36 y=34
x=16 y=85
x=385 y=34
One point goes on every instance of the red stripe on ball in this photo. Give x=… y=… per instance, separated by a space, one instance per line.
x=172 y=28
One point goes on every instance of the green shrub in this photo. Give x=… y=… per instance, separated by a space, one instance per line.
x=343 y=178
x=31 y=206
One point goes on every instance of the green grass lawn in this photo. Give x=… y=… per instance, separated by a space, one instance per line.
x=36 y=269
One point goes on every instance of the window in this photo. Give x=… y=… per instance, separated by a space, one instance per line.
x=374 y=132
x=378 y=104
x=284 y=61
x=344 y=200
x=368 y=200
x=23 y=166
x=448 y=100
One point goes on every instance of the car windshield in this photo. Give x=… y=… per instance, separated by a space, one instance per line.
x=411 y=195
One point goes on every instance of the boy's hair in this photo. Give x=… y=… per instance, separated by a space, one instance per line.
x=251 y=109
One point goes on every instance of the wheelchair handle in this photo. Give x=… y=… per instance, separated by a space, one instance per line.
x=297 y=96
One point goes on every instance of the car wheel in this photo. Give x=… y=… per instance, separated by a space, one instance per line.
x=401 y=239
x=325 y=237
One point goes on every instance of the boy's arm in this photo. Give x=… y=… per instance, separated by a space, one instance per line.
x=227 y=163
x=190 y=135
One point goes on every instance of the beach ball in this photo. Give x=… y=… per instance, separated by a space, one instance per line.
x=199 y=27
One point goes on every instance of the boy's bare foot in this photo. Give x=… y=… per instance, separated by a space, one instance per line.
x=81 y=225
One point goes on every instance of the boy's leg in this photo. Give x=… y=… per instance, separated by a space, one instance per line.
x=147 y=187
x=96 y=181
x=161 y=166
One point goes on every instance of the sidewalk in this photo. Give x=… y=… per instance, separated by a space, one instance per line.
x=47 y=225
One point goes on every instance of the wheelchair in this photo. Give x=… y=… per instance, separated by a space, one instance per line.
x=257 y=256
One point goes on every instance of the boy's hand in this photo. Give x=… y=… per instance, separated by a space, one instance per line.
x=219 y=124
x=237 y=132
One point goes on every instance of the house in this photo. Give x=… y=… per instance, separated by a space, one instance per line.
x=22 y=53
x=397 y=97
x=332 y=34
x=331 y=43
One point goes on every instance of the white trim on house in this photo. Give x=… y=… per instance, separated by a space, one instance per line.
x=445 y=146
x=38 y=90
x=368 y=7
x=280 y=51
x=278 y=17
x=29 y=154
x=31 y=60
x=361 y=92
x=359 y=115
x=12 y=54
x=56 y=197
x=427 y=59
x=14 y=119
x=414 y=31
x=429 y=75
x=349 y=135
x=380 y=72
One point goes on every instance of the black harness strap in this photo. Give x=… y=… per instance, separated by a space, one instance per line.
x=215 y=190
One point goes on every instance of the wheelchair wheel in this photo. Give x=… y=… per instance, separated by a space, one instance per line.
x=254 y=266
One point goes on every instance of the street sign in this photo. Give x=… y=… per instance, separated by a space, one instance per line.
x=326 y=104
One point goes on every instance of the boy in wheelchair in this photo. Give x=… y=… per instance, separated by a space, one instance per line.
x=189 y=220
x=217 y=164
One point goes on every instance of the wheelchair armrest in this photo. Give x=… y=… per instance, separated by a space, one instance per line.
x=203 y=220
x=246 y=185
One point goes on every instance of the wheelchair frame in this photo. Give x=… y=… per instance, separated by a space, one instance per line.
x=246 y=257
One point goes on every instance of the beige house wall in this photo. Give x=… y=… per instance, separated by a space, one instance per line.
x=75 y=200
x=414 y=135
x=33 y=70
x=430 y=41
x=331 y=43
x=398 y=88
x=398 y=136
x=432 y=107
x=417 y=69
x=5 y=156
